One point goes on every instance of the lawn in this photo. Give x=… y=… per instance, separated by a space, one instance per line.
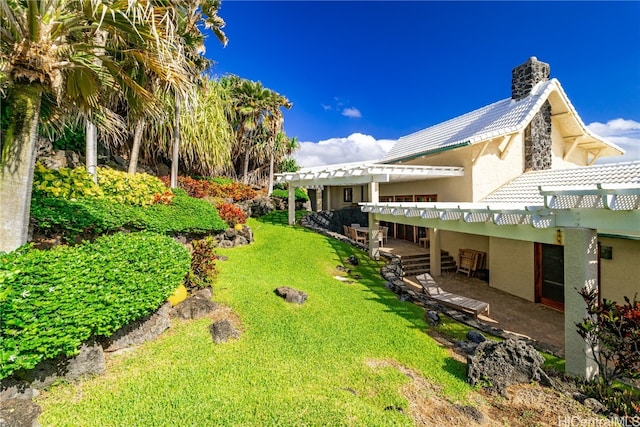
x=292 y=365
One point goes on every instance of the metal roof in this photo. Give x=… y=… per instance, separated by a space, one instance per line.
x=501 y=118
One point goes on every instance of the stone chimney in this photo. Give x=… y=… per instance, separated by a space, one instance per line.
x=524 y=77
x=537 y=135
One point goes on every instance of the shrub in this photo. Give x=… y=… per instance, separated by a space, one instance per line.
x=231 y=214
x=203 y=263
x=301 y=195
x=64 y=182
x=51 y=215
x=139 y=189
x=52 y=301
x=613 y=332
x=214 y=187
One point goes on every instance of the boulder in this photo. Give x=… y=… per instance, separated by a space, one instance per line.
x=247 y=233
x=13 y=388
x=432 y=317
x=193 y=308
x=135 y=333
x=222 y=257
x=594 y=405
x=261 y=206
x=466 y=347
x=291 y=295
x=230 y=234
x=19 y=413
x=206 y=293
x=475 y=336
x=497 y=365
x=240 y=241
x=89 y=361
x=222 y=331
x=55 y=160
x=225 y=244
x=353 y=260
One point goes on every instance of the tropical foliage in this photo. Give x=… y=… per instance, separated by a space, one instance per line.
x=52 y=301
x=70 y=219
x=48 y=57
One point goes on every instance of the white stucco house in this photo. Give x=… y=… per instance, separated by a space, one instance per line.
x=516 y=180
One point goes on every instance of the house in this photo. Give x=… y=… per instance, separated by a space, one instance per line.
x=516 y=180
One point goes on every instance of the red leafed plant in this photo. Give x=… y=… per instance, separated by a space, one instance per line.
x=613 y=332
x=203 y=264
x=231 y=214
x=164 y=198
x=201 y=188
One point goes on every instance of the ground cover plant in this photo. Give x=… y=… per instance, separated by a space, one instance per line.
x=332 y=361
x=93 y=216
x=52 y=301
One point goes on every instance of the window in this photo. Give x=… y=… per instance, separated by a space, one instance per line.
x=347 y=194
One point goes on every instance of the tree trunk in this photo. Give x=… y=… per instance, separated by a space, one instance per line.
x=245 y=169
x=92 y=150
x=271 y=161
x=175 y=149
x=99 y=38
x=17 y=161
x=135 y=149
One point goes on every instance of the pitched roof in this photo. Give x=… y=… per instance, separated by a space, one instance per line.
x=526 y=188
x=498 y=119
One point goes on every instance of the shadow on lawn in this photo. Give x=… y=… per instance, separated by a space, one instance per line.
x=369 y=269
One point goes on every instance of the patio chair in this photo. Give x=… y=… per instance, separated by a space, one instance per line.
x=358 y=237
x=457 y=302
x=345 y=230
x=385 y=233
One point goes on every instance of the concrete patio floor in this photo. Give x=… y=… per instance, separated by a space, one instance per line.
x=508 y=312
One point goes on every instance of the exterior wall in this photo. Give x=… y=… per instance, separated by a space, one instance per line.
x=491 y=172
x=620 y=276
x=454 y=189
x=359 y=194
x=511 y=267
x=451 y=242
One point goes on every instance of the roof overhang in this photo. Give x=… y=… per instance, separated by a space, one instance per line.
x=364 y=173
x=612 y=210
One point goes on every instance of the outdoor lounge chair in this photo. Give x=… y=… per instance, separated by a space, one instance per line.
x=448 y=299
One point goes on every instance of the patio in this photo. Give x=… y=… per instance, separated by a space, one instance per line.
x=508 y=312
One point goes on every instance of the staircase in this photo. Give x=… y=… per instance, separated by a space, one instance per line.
x=413 y=265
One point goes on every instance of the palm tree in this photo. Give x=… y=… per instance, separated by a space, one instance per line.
x=44 y=51
x=256 y=118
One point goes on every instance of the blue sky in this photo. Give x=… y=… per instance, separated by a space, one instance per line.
x=362 y=74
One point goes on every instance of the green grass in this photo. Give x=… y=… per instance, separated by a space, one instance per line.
x=292 y=366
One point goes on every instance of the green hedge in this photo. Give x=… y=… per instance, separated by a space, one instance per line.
x=301 y=196
x=52 y=301
x=52 y=215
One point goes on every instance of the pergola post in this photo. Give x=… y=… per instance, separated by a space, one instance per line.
x=435 y=261
x=580 y=272
x=292 y=204
x=328 y=188
x=374 y=224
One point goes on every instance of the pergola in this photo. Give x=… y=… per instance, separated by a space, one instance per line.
x=572 y=216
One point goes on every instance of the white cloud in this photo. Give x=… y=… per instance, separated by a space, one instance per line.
x=624 y=133
x=352 y=112
x=356 y=147
x=326 y=107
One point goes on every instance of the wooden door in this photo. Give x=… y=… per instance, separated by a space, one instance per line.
x=549 y=275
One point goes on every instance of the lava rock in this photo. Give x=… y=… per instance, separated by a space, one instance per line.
x=291 y=295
